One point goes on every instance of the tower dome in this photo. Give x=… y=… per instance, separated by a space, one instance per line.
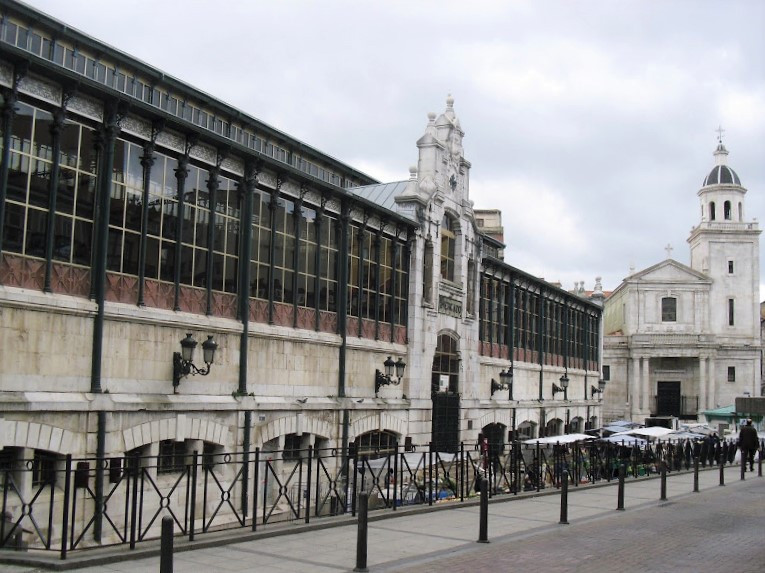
x=721 y=173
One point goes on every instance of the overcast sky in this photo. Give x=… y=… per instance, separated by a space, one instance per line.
x=590 y=124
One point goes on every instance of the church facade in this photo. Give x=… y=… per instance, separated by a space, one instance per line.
x=681 y=339
x=138 y=215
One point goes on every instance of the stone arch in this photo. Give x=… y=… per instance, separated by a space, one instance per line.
x=289 y=425
x=180 y=428
x=504 y=417
x=378 y=422
x=24 y=434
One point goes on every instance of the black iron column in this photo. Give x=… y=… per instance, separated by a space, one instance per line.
x=181 y=173
x=59 y=117
x=359 y=302
x=10 y=97
x=296 y=259
x=147 y=161
x=393 y=286
x=213 y=183
x=317 y=265
x=378 y=258
x=273 y=205
x=247 y=186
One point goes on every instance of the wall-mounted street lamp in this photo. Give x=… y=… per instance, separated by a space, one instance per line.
x=387 y=378
x=562 y=388
x=598 y=389
x=505 y=383
x=183 y=361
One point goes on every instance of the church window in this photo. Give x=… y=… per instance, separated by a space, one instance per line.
x=740 y=212
x=427 y=273
x=712 y=211
x=726 y=210
x=668 y=309
x=730 y=267
x=448 y=246
x=606 y=372
x=731 y=373
x=731 y=321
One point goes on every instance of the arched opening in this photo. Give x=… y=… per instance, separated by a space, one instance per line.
x=576 y=426
x=554 y=427
x=726 y=210
x=445 y=394
x=740 y=211
x=526 y=430
x=711 y=210
x=495 y=435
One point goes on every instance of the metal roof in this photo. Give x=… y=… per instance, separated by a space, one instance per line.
x=382 y=194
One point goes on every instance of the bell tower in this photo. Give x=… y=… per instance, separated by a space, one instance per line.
x=725 y=246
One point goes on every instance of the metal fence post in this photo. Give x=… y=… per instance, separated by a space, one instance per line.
x=166 y=551
x=483 y=525
x=620 y=494
x=362 y=531
x=722 y=471
x=696 y=474
x=67 y=494
x=663 y=482
x=308 y=485
x=564 y=500
x=195 y=459
x=759 y=460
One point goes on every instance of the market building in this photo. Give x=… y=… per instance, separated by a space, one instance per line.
x=135 y=209
x=679 y=339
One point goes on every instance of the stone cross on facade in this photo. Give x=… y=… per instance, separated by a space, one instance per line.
x=669 y=250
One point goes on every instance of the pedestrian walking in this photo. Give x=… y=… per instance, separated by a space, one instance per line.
x=748 y=443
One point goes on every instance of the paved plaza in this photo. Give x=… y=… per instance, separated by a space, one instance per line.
x=717 y=529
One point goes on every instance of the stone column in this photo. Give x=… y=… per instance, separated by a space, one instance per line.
x=702 y=382
x=634 y=381
x=646 y=385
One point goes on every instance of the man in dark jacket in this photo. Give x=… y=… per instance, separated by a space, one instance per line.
x=748 y=442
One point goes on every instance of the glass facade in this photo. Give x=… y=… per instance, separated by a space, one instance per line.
x=303 y=259
x=538 y=323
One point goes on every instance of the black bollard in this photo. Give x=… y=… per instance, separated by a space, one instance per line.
x=166 y=551
x=696 y=475
x=564 y=499
x=722 y=471
x=663 y=482
x=743 y=464
x=363 y=530
x=483 y=527
x=759 y=460
x=620 y=495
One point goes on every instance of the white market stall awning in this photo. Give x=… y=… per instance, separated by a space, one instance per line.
x=652 y=432
x=564 y=439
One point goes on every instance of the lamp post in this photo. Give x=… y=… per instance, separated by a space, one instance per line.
x=505 y=383
x=387 y=378
x=599 y=389
x=562 y=388
x=183 y=361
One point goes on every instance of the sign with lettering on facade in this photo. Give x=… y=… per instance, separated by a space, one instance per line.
x=449 y=306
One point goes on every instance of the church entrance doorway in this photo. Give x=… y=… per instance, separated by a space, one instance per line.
x=668 y=399
x=445 y=393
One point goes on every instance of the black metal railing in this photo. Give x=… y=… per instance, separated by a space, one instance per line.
x=59 y=510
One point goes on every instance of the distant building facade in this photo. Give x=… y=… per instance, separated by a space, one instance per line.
x=680 y=339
